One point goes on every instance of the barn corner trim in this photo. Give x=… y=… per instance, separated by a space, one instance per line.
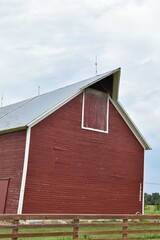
x=24 y=173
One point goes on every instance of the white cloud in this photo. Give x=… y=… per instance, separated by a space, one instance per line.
x=54 y=42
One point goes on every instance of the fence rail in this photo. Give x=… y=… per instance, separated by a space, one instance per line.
x=79 y=226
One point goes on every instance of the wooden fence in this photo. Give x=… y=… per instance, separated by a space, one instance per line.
x=81 y=226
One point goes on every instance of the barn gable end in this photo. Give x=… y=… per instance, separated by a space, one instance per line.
x=79 y=150
x=83 y=171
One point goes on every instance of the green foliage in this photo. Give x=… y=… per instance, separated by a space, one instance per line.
x=150 y=209
x=151 y=199
x=158 y=205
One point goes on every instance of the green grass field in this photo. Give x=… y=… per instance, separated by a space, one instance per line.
x=151 y=209
x=152 y=235
x=148 y=210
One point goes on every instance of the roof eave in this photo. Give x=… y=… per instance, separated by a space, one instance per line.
x=116 y=80
x=13 y=130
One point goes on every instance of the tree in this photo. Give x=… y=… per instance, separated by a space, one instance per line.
x=151 y=199
x=158 y=205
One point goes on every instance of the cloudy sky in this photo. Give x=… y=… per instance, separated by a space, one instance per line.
x=52 y=43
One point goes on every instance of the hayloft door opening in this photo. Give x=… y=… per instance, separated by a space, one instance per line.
x=3 y=194
x=95 y=110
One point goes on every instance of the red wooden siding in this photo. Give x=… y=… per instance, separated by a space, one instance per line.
x=11 y=161
x=95 y=109
x=3 y=194
x=73 y=170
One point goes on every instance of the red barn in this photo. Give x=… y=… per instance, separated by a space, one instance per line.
x=72 y=150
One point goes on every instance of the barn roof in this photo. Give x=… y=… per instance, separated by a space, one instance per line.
x=31 y=111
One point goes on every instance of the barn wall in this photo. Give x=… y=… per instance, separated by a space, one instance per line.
x=11 y=164
x=73 y=170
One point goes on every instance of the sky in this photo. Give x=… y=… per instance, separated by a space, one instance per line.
x=49 y=44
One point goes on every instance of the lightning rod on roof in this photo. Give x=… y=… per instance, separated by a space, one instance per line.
x=39 y=90
x=2 y=100
x=96 y=64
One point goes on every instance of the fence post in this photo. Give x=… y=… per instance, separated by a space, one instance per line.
x=15 y=229
x=75 y=229
x=125 y=227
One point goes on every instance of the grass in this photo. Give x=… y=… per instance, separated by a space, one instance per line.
x=151 y=209
x=152 y=235
x=148 y=210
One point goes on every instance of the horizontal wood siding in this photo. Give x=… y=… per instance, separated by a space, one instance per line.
x=73 y=170
x=11 y=164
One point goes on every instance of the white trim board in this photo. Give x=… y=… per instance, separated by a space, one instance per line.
x=24 y=173
x=143 y=184
x=131 y=124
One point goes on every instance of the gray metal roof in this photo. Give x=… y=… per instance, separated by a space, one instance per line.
x=29 y=112
x=23 y=113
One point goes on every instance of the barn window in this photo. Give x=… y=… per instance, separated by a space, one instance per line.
x=95 y=110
